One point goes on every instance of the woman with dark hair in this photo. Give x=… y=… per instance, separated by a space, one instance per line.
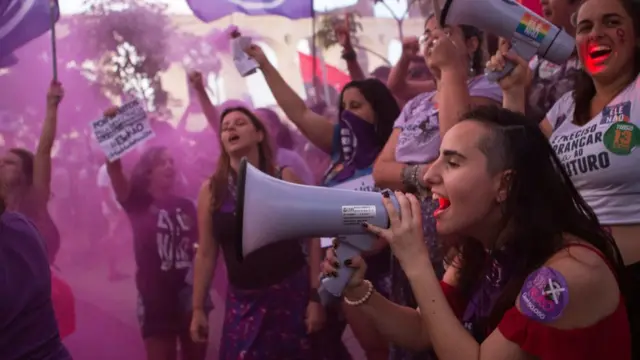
x=283 y=143
x=164 y=230
x=529 y=252
x=366 y=111
x=271 y=308
x=454 y=56
x=27 y=176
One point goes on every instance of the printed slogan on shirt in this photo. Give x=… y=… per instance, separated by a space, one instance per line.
x=570 y=150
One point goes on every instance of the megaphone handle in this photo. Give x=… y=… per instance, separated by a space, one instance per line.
x=495 y=76
x=331 y=288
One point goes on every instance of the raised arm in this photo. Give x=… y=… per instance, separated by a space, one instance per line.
x=391 y=174
x=42 y=157
x=453 y=90
x=348 y=53
x=316 y=128
x=514 y=86
x=398 y=83
x=208 y=109
x=118 y=179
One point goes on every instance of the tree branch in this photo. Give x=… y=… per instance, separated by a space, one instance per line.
x=389 y=8
x=378 y=55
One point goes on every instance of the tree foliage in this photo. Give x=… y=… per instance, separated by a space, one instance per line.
x=326 y=36
x=127 y=42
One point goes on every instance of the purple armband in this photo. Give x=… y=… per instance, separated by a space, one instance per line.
x=544 y=295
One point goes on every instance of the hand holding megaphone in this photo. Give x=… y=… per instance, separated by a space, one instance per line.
x=404 y=235
x=332 y=265
x=519 y=78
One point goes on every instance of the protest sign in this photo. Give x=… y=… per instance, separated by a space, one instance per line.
x=127 y=130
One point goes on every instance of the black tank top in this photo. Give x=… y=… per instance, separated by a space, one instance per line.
x=266 y=266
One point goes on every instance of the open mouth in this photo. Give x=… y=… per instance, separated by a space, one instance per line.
x=233 y=138
x=599 y=53
x=443 y=205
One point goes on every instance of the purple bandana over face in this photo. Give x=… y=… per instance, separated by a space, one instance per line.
x=360 y=147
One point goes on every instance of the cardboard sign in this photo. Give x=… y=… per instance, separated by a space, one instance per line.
x=126 y=131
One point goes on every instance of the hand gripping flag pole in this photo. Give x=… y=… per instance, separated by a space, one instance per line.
x=53 y=8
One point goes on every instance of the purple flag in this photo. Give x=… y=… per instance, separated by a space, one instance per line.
x=22 y=21
x=211 y=10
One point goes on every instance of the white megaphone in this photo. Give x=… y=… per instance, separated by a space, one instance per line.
x=269 y=210
x=529 y=33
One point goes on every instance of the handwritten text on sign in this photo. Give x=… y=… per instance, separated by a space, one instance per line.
x=123 y=133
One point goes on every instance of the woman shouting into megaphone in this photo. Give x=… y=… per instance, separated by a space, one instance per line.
x=524 y=262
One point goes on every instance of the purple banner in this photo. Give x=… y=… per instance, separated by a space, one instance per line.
x=211 y=10
x=22 y=21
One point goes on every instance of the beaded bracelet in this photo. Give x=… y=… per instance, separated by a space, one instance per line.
x=365 y=298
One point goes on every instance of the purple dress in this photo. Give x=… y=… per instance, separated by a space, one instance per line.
x=266 y=300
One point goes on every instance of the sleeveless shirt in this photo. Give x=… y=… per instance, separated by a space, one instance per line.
x=266 y=266
x=601 y=156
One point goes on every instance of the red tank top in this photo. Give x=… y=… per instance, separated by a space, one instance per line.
x=610 y=338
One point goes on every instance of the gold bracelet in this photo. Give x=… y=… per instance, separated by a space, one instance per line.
x=365 y=298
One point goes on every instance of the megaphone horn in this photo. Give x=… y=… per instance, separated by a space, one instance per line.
x=529 y=33
x=271 y=210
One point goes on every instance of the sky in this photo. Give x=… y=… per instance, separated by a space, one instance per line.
x=181 y=7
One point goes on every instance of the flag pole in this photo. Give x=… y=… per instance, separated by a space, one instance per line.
x=314 y=53
x=53 y=6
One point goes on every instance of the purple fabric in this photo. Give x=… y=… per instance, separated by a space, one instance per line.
x=496 y=275
x=212 y=10
x=22 y=21
x=419 y=141
x=28 y=327
x=267 y=324
x=291 y=159
x=355 y=147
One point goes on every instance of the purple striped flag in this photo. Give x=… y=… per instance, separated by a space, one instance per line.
x=24 y=20
x=211 y=10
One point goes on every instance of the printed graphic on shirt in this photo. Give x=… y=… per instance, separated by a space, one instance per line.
x=423 y=131
x=173 y=242
x=570 y=149
x=348 y=141
x=622 y=138
x=615 y=113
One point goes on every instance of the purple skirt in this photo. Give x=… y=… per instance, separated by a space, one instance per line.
x=267 y=324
